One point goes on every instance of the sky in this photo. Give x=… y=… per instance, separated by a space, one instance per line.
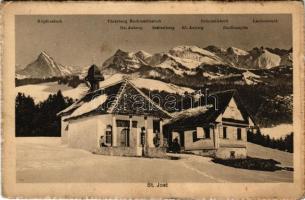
x=81 y=40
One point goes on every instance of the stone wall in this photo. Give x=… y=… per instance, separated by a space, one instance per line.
x=204 y=152
x=117 y=151
x=131 y=151
x=227 y=153
x=159 y=152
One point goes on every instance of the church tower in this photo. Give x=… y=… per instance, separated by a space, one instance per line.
x=94 y=76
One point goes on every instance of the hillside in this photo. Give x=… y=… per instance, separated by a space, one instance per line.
x=40 y=92
x=258 y=151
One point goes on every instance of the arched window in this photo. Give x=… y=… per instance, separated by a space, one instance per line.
x=109 y=134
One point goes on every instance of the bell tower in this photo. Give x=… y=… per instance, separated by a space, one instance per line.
x=94 y=76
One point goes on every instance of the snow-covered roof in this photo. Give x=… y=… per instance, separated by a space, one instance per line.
x=89 y=106
x=207 y=114
x=192 y=112
x=109 y=99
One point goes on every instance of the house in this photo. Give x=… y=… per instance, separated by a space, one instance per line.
x=218 y=128
x=118 y=119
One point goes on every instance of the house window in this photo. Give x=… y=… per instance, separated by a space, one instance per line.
x=195 y=136
x=134 y=124
x=224 y=133
x=109 y=134
x=67 y=127
x=122 y=123
x=238 y=133
x=156 y=126
x=126 y=123
x=207 y=133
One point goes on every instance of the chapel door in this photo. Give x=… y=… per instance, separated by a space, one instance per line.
x=125 y=137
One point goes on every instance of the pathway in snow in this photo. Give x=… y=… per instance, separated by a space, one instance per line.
x=46 y=160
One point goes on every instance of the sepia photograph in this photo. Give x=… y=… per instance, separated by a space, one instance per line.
x=149 y=86
x=154 y=99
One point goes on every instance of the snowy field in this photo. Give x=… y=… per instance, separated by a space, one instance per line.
x=41 y=92
x=278 y=131
x=46 y=160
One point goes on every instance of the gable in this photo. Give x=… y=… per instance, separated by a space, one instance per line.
x=232 y=111
x=131 y=101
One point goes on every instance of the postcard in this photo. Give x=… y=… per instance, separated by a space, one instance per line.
x=153 y=100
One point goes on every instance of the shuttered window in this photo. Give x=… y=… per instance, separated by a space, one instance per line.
x=156 y=126
x=239 y=133
x=109 y=134
x=195 y=136
x=207 y=133
x=224 y=133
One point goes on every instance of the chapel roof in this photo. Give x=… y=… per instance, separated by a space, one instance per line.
x=122 y=97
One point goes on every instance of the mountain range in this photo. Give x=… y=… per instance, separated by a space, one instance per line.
x=180 y=64
x=211 y=64
x=181 y=70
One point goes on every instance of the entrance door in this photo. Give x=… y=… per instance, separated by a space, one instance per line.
x=125 y=137
x=181 y=138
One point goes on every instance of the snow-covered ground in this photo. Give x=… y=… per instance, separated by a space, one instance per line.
x=41 y=92
x=47 y=160
x=251 y=78
x=278 y=131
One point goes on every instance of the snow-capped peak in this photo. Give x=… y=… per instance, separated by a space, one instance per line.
x=44 y=54
x=268 y=60
x=194 y=49
x=124 y=62
x=44 y=66
x=143 y=55
x=237 y=51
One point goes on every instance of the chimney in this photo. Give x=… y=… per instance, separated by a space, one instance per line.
x=94 y=76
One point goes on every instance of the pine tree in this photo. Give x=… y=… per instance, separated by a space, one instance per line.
x=25 y=110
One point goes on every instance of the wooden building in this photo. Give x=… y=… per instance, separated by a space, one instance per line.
x=219 y=128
